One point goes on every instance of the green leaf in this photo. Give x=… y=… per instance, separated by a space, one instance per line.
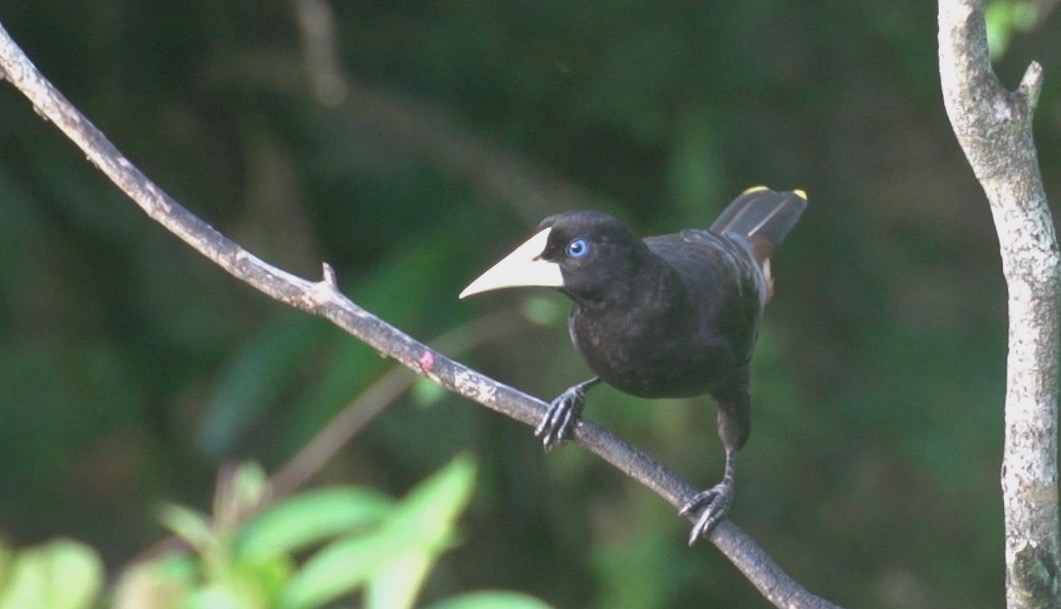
x=263 y=579
x=424 y=526
x=61 y=574
x=312 y=517
x=189 y=525
x=490 y=599
x=337 y=569
x=419 y=529
x=426 y=516
x=397 y=585
x=1003 y=19
x=215 y=597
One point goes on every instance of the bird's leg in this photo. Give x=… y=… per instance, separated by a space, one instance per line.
x=715 y=501
x=563 y=413
x=734 y=425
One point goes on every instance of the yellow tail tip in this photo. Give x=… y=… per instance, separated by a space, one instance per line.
x=799 y=191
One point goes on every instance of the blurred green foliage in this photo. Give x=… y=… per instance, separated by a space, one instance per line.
x=61 y=574
x=364 y=542
x=1005 y=18
x=131 y=369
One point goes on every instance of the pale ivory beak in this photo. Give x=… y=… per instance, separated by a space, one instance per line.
x=522 y=267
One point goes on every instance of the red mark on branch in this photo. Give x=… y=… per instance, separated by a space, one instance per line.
x=427 y=361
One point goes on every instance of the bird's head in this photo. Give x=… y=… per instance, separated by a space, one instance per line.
x=581 y=253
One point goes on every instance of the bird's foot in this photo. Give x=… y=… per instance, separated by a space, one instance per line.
x=715 y=503
x=560 y=418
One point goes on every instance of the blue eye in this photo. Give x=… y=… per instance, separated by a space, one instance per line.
x=577 y=248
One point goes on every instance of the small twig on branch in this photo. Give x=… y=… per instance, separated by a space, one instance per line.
x=324 y=299
x=994 y=128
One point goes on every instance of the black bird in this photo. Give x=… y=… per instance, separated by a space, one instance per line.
x=668 y=316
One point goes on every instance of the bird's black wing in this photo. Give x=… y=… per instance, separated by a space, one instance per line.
x=724 y=262
x=725 y=282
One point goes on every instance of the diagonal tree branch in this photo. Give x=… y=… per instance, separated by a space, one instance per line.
x=994 y=128
x=323 y=298
x=375 y=398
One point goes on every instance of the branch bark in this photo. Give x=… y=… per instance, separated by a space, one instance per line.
x=323 y=298
x=994 y=128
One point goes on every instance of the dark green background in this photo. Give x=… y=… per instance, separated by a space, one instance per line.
x=130 y=367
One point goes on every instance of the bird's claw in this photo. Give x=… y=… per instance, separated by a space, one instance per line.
x=715 y=503
x=560 y=418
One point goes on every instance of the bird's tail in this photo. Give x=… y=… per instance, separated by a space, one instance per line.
x=763 y=217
